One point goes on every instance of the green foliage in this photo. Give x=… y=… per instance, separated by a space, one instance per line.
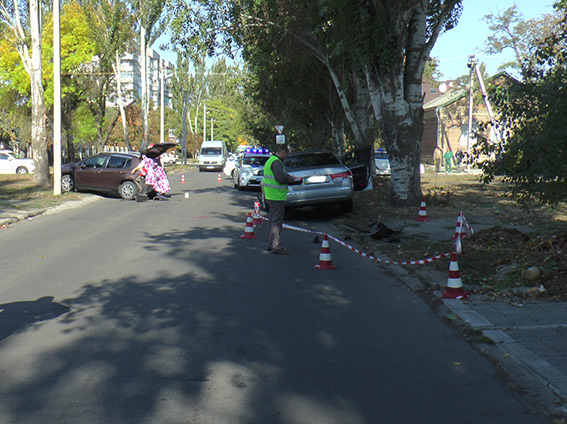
x=510 y=31
x=84 y=130
x=533 y=155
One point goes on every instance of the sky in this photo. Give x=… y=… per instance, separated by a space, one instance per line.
x=453 y=48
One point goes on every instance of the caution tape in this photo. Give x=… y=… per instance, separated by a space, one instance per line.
x=465 y=222
x=361 y=253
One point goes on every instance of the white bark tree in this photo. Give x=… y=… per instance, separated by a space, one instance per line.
x=151 y=22
x=24 y=21
x=386 y=41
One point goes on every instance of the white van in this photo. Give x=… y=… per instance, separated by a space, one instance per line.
x=213 y=155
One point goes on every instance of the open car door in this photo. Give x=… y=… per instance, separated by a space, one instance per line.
x=359 y=161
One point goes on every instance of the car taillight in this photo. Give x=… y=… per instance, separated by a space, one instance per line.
x=341 y=175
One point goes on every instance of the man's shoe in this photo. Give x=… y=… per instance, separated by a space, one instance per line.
x=269 y=249
x=280 y=251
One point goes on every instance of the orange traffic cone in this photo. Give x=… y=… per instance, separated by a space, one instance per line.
x=256 y=214
x=422 y=214
x=459 y=228
x=455 y=288
x=219 y=179
x=249 y=230
x=183 y=178
x=325 y=261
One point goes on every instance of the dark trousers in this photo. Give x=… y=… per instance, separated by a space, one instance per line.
x=275 y=222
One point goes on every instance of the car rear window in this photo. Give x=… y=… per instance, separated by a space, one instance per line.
x=309 y=160
x=254 y=160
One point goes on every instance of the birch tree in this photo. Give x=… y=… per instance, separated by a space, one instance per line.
x=384 y=45
x=151 y=22
x=24 y=22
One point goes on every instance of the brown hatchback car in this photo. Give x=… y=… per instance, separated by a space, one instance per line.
x=109 y=173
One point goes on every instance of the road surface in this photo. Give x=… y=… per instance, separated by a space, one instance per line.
x=158 y=312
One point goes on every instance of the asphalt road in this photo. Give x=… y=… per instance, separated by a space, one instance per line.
x=158 y=312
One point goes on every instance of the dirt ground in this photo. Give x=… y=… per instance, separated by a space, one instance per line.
x=507 y=252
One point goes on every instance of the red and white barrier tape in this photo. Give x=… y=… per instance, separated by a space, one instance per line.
x=465 y=222
x=364 y=255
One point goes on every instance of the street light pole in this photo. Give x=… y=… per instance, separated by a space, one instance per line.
x=471 y=64
x=162 y=101
x=204 y=123
x=56 y=98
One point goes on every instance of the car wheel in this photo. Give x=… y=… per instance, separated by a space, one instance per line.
x=241 y=188
x=22 y=170
x=67 y=183
x=128 y=190
x=347 y=206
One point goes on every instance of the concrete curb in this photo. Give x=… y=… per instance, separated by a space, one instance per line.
x=10 y=217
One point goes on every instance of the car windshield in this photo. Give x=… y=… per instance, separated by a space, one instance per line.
x=211 y=151
x=307 y=160
x=380 y=155
x=254 y=160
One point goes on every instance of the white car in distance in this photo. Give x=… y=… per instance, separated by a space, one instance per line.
x=10 y=163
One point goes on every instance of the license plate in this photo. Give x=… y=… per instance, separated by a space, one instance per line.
x=316 y=179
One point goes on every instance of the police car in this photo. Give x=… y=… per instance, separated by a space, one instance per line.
x=249 y=170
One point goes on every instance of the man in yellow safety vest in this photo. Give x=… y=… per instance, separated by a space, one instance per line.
x=275 y=184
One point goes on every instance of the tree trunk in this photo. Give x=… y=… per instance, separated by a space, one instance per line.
x=38 y=131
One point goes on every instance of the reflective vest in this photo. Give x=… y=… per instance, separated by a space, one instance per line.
x=272 y=189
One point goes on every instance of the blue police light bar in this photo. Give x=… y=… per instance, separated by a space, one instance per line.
x=258 y=151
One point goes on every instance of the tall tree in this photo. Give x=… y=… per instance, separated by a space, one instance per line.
x=151 y=21
x=78 y=49
x=533 y=154
x=24 y=20
x=113 y=30
x=383 y=45
x=511 y=31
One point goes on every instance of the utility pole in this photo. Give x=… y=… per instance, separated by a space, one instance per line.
x=204 y=123
x=162 y=101
x=56 y=98
x=471 y=64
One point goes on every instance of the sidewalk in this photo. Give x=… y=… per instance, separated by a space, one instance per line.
x=534 y=334
x=10 y=216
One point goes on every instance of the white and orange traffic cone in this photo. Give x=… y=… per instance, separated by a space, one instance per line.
x=422 y=214
x=325 y=261
x=249 y=230
x=455 y=288
x=219 y=179
x=459 y=228
x=256 y=214
x=183 y=178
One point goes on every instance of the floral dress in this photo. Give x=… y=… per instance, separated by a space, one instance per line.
x=155 y=175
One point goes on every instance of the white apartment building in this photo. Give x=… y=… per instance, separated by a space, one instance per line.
x=131 y=79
